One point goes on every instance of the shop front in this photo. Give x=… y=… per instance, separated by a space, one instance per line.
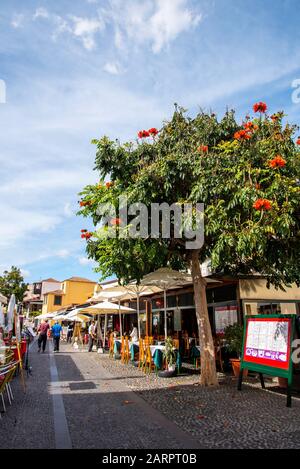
x=223 y=310
x=257 y=298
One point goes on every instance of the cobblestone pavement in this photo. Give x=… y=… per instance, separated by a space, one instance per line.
x=218 y=417
x=105 y=404
x=29 y=422
x=100 y=410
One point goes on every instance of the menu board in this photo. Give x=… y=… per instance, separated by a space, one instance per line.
x=267 y=342
x=225 y=316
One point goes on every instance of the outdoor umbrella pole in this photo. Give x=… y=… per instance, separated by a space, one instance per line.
x=18 y=338
x=105 y=328
x=99 y=334
x=138 y=312
x=120 y=319
x=165 y=304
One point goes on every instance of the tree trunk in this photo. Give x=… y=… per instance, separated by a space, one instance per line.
x=208 y=363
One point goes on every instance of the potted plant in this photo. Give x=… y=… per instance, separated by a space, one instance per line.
x=170 y=354
x=233 y=336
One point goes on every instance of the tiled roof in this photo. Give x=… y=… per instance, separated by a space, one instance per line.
x=32 y=298
x=55 y=292
x=107 y=282
x=52 y=280
x=78 y=279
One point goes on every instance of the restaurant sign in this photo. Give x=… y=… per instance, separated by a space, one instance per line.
x=267 y=346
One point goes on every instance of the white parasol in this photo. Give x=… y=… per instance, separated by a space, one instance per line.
x=10 y=312
x=130 y=291
x=2 y=319
x=166 y=278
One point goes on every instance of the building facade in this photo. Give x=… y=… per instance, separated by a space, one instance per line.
x=34 y=296
x=228 y=302
x=71 y=292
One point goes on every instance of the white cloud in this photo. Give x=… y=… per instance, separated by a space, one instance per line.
x=170 y=19
x=63 y=253
x=33 y=185
x=38 y=193
x=86 y=261
x=85 y=29
x=17 y=20
x=157 y=22
x=135 y=23
x=113 y=68
x=68 y=211
x=41 y=13
x=61 y=26
x=17 y=224
x=119 y=40
x=82 y=28
x=26 y=273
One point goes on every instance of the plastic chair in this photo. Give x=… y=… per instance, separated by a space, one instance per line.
x=127 y=351
x=9 y=380
x=149 y=363
x=6 y=375
x=218 y=354
x=148 y=340
x=141 y=354
x=122 y=349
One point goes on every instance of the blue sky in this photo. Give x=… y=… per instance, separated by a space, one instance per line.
x=78 y=69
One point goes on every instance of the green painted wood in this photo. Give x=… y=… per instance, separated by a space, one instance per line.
x=269 y=370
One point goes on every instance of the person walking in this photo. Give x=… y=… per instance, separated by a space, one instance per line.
x=42 y=339
x=92 y=335
x=70 y=331
x=56 y=331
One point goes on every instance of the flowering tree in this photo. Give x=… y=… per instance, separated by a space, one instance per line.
x=246 y=174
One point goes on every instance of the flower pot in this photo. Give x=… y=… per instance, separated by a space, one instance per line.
x=171 y=367
x=236 y=366
x=166 y=374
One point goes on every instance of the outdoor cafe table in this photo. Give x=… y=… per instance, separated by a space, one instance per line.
x=3 y=350
x=14 y=349
x=156 y=352
x=195 y=353
x=117 y=346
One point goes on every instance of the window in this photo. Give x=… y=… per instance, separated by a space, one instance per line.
x=171 y=301
x=225 y=293
x=45 y=299
x=268 y=308
x=186 y=299
x=158 y=303
x=37 y=288
x=57 y=300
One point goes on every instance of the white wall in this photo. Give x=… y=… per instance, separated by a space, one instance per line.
x=50 y=286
